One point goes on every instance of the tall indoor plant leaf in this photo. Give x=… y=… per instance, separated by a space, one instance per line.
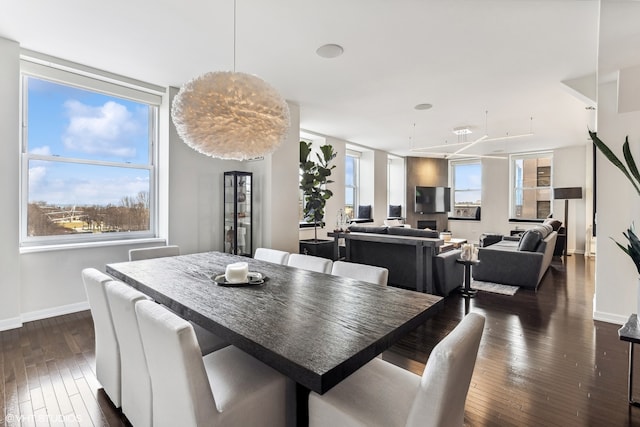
x=314 y=177
x=631 y=172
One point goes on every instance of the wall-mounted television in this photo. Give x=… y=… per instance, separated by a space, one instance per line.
x=433 y=199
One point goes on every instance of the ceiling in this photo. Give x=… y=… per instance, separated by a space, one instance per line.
x=494 y=66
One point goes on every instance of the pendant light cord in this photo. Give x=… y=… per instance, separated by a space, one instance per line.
x=234 y=36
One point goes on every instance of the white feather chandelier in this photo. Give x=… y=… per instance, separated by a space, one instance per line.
x=230 y=115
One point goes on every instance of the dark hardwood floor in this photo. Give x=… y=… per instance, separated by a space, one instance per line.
x=542 y=362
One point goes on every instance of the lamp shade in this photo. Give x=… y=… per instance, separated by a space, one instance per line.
x=567 y=193
x=229 y=115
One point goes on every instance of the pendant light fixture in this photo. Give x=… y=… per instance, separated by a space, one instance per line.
x=230 y=115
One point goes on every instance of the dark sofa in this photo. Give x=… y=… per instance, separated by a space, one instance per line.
x=399 y=250
x=517 y=262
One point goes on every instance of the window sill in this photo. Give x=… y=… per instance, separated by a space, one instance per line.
x=88 y=245
x=310 y=224
x=533 y=221
x=360 y=220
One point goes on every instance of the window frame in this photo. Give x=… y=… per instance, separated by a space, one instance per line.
x=452 y=181
x=513 y=188
x=74 y=75
x=355 y=188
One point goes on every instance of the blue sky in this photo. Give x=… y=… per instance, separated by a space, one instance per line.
x=64 y=121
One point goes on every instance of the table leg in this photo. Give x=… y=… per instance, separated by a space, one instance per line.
x=631 y=401
x=302 y=406
x=467 y=291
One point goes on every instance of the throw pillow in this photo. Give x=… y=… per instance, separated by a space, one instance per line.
x=395 y=211
x=529 y=241
x=554 y=223
x=364 y=211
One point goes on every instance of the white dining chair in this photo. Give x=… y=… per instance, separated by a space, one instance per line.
x=154 y=252
x=382 y=394
x=107 y=348
x=272 y=255
x=225 y=388
x=311 y=263
x=136 y=384
x=366 y=273
x=208 y=341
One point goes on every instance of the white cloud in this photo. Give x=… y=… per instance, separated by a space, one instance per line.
x=43 y=151
x=106 y=130
x=36 y=175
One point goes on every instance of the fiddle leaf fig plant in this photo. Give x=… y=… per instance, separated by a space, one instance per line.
x=313 y=182
x=631 y=172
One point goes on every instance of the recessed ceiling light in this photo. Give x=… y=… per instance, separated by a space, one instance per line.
x=423 y=106
x=330 y=51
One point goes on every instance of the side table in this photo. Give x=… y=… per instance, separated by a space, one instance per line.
x=467 y=291
x=630 y=332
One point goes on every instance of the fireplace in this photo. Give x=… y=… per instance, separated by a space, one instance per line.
x=427 y=223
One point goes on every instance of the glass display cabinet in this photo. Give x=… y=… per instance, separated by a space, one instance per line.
x=238 y=213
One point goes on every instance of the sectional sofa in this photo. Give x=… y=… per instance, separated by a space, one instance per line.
x=518 y=262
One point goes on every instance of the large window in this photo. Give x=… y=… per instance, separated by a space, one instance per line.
x=351 y=182
x=531 y=186
x=466 y=180
x=88 y=150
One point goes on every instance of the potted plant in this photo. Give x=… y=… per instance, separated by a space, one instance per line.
x=313 y=183
x=632 y=247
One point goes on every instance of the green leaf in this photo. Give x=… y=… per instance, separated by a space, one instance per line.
x=629 y=159
x=613 y=158
x=305 y=150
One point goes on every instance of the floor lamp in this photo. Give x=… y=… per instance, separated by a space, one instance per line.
x=567 y=193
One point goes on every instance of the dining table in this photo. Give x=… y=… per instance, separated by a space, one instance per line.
x=314 y=328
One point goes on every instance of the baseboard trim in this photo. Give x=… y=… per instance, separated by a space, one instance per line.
x=11 y=323
x=55 y=311
x=610 y=317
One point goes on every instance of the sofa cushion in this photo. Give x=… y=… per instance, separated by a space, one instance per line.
x=365 y=229
x=530 y=240
x=554 y=223
x=413 y=232
x=364 y=211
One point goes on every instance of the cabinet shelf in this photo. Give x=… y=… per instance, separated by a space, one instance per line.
x=238 y=213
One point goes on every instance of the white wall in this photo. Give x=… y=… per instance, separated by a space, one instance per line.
x=9 y=163
x=569 y=170
x=276 y=198
x=397 y=183
x=618 y=205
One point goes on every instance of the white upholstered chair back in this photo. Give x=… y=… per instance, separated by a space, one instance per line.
x=272 y=255
x=107 y=348
x=311 y=263
x=247 y=392
x=136 y=385
x=383 y=394
x=180 y=387
x=445 y=381
x=155 y=252
x=366 y=273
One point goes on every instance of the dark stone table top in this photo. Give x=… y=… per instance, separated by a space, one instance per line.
x=630 y=331
x=314 y=328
